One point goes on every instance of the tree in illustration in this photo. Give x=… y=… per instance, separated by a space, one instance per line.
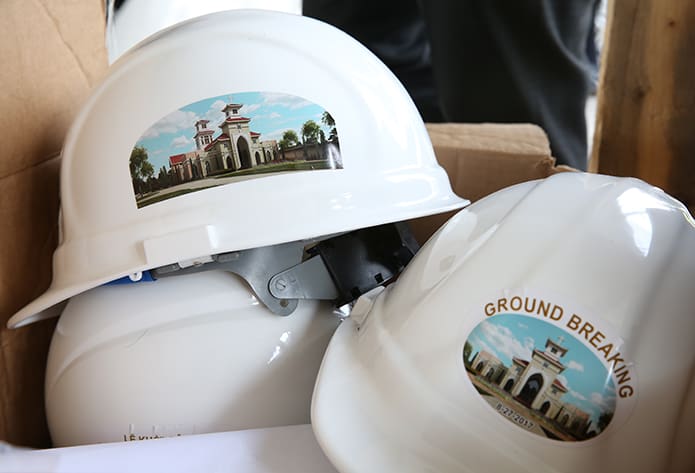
x=327 y=119
x=310 y=132
x=289 y=139
x=163 y=178
x=467 y=350
x=140 y=168
x=603 y=420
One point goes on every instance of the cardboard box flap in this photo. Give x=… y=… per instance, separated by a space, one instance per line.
x=482 y=159
x=511 y=139
x=53 y=53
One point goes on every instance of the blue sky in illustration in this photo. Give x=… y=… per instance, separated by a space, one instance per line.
x=508 y=335
x=271 y=115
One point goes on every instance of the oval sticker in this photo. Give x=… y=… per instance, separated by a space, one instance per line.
x=226 y=139
x=546 y=369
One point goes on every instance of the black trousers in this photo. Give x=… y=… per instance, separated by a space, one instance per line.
x=473 y=61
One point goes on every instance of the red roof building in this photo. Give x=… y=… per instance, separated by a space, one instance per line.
x=222 y=137
x=236 y=120
x=176 y=159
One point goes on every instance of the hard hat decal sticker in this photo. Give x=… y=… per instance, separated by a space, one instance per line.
x=226 y=139
x=548 y=369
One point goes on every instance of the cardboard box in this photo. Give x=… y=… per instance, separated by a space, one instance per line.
x=482 y=159
x=53 y=53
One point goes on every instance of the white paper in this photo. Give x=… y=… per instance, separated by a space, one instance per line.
x=290 y=449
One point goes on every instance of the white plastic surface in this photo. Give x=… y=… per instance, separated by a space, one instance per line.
x=182 y=355
x=396 y=390
x=390 y=172
x=135 y=20
x=280 y=450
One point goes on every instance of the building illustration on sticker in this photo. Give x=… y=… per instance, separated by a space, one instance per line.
x=538 y=392
x=296 y=135
x=237 y=147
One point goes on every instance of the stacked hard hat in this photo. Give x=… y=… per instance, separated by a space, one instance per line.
x=547 y=327
x=248 y=218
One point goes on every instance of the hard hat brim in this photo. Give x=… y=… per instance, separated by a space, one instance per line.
x=51 y=303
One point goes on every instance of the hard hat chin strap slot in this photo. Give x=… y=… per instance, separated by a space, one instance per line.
x=339 y=268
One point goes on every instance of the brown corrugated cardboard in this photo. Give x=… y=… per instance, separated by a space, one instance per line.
x=53 y=53
x=28 y=212
x=481 y=159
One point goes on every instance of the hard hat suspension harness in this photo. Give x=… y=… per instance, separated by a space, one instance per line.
x=339 y=268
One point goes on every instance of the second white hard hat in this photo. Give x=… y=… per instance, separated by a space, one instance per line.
x=547 y=327
x=185 y=355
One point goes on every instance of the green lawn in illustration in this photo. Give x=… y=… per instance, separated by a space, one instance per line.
x=165 y=194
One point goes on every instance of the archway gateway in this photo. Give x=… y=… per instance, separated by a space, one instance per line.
x=530 y=390
x=545 y=407
x=244 y=154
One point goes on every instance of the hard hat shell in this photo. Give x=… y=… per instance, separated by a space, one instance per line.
x=184 y=355
x=450 y=369
x=387 y=173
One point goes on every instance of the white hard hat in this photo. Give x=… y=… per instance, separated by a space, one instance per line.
x=253 y=75
x=184 y=355
x=547 y=327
